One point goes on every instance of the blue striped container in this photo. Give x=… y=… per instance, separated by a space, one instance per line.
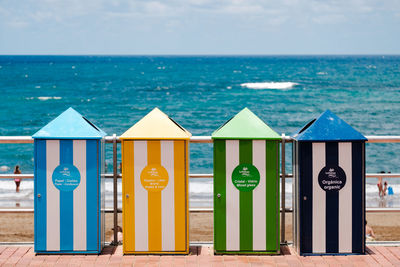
x=329 y=186
x=69 y=188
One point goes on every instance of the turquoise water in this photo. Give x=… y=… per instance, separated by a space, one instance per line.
x=201 y=93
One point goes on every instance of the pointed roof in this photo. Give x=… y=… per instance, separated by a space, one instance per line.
x=156 y=125
x=245 y=125
x=70 y=125
x=328 y=127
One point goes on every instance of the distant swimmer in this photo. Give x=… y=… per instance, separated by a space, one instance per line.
x=17 y=180
x=381 y=188
x=385 y=187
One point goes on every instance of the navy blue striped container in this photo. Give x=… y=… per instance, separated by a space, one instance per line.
x=329 y=187
x=68 y=186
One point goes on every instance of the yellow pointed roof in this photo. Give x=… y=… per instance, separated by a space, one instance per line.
x=156 y=125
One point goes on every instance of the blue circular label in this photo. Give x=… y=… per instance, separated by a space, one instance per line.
x=66 y=177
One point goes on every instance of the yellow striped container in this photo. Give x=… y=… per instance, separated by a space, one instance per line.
x=155 y=186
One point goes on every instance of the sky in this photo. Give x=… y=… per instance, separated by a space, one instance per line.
x=199 y=27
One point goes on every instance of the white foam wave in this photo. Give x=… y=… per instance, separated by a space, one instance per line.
x=201 y=187
x=269 y=85
x=44 y=98
x=4 y=168
x=200 y=194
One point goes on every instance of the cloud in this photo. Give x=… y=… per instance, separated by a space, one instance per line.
x=29 y=12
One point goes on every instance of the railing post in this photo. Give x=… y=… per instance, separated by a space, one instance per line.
x=283 y=188
x=115 y=189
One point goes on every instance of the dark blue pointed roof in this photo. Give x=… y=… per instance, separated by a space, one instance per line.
x=328 y=127
x=70 y=125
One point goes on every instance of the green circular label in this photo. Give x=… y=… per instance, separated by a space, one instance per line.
x=245 y=177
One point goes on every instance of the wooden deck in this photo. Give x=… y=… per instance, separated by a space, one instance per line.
x=199 y=256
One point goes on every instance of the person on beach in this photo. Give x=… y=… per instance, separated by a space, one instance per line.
x=369 y=233
x=381 y=188
x=17 y=180
x=385 y=187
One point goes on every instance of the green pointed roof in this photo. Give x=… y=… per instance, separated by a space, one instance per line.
x=245 y=125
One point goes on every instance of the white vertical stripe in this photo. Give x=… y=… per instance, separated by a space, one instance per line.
x=167 y=198
x=232 y=197
x=345 y=200
x=141 y=197
x=259 y=197
x=53 y=196
x=79 y=159
x=318 y=200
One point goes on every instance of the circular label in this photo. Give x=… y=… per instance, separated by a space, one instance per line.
x=332 y=178
x=66 y=177
x=154 y=178
x=245 y=177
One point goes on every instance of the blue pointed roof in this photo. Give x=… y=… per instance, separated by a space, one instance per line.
x=70 y=125
x=328 y=127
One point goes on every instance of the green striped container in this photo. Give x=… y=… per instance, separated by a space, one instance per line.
x=246 y=186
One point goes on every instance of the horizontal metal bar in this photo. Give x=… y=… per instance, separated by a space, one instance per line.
x=20 y=176
x=201 y=175
x=16 y=140
x=110 y=139
x=199 y=139
x=383 y=138
x=383 y=175
x=194 y=210
x=19 y=210
x=383 y=209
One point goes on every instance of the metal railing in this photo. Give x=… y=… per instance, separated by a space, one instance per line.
x=114 y=140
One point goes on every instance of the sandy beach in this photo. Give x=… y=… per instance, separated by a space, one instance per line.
x=19 y=227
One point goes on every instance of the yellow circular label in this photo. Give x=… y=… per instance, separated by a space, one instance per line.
x=154 y=178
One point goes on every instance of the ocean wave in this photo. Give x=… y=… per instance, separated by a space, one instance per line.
x=269 y=85
x=200 y=187
x=44 y=98
x=200 y=194
x=4 y=168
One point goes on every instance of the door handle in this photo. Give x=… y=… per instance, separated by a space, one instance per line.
x=127 y=195
x=218 y=195
x=39 y=195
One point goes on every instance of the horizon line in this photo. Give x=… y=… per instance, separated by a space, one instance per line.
x=198 y=55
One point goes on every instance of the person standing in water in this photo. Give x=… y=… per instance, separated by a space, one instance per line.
x=17 y=180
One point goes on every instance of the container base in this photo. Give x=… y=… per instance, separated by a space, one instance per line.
x=66 y=252
x=247 y=252
x=156 y=253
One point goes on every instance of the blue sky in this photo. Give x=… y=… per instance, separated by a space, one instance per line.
x=139 y=27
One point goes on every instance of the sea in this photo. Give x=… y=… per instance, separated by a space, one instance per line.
x=200 y=93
